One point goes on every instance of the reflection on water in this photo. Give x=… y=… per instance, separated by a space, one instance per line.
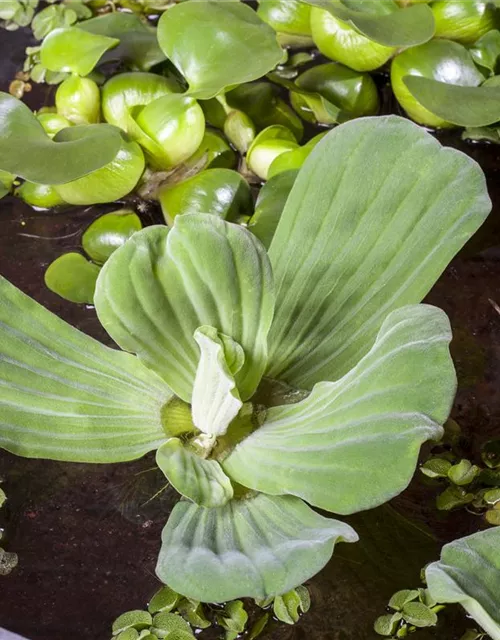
x=88 y=535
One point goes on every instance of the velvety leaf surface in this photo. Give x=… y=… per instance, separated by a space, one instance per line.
x=156 y=290
x=391 y=26
x=217 y=44
x=353 y=444
x=65 y=396
x=376 y=214
x=202 y=481
x=469 y=573
x=73 y=50
x=258 y=547
x=463 y=106
x=216 y=401
x=28 y=152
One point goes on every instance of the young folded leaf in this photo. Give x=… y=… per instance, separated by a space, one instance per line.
x=161 y=286
x=216 y=401
x=353 y=444
x=65 y=396
x=260 y=546
x=376 y=214
x=202 y=481
x=469 y=573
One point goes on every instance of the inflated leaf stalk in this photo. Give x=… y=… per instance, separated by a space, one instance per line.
x=438 y=85
x=79 y=100
x=42 y=196
x=469 y=573
x=28 y=152
x=52 y=122
x=216 y=45
x=213 y=152
x=109 y=232
x=464 y=22
x=203 y=313
x=364 y=36
x=294 y=159
x=291 y=19
x=267 y=146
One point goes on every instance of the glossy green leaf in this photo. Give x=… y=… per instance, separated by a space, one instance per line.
x=216 y=401
x=362 y=434
x=156 y=290
x=65 y=396
x=27 y=151
x=486 y=51
x=269 y=206
x=220 y=192
x=138 y=41
x=366 y=245
x=73 y=50
x=109 y=232
x=463 y=106
x=392 y=27
x=6 y=182
x=463 y=21
x=256 y=547
x=200 y=480
x=214 y=44
x=469 y=573
x=72 y=277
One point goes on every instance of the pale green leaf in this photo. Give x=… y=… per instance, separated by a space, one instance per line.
x=163 y=600
x=200 y=480
x=73 y=50
x=376 y=214
x=469 y=573
x=256 y=547
x=217 y=44
x=72 y=277
x=27 y=151
x=353 y=444
x=387 y=25
x=156 y=290
x=136 y=619
x=65 y=396
x=216 y=401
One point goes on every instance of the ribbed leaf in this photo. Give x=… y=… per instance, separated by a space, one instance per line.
x=202 y=481
x=65 y=396
x=216 y=401
x=258 y=547
x=156 y=290
x=353 y=444
x=469 y=573
x=376 y=214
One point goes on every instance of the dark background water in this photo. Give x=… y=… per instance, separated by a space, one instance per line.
x=87 y=536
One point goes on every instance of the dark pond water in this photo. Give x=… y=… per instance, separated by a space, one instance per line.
x=88 y=536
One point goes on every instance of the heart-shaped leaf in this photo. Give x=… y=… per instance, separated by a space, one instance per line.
x=258 y=547
x=27 y=151
x=200 y=480
x=383 y=22
x=463 y=106
x=72 y=277
x=217 y=44
x=362 y=434
x=65 y=396
x=73 y=50
x=156 y=290
x=469 y=573
x=367 y=244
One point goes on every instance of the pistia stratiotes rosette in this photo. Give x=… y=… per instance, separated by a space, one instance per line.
x=211 y=322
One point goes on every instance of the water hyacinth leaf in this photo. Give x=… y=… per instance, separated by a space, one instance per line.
x=363 y=433
x=73 y=50
x=216 y=401
x=486 y=51
x=219 y=192
x=389 y=245
x=269 y=206
x=65 y=396
x=72 y=277
x=469 y=573
x=28 y=152
x=200 y=480
x=138 y=42
x=156 y=290
x=213 y=45
x=256 y=547
x=463 y=106
x=109 y=232
x=383 y=23
x=6 y=182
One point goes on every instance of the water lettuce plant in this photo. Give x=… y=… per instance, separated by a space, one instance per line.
x=265 y=381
